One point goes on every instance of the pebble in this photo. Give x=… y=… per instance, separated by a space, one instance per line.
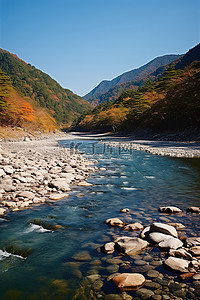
x=113 y=268
x=97 y=285
x=82 y=256
x=140 y=262
x=145 y=293
x=153 y=273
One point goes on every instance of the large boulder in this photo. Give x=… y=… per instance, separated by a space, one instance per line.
x=157 y=237
x=177 y=264
x=163 y=228
x=130 y=245
x=171 y=243
x=129 y=281
x=170 y=209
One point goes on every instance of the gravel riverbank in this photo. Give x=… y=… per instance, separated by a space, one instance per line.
x=172 y=149
x=38 y=171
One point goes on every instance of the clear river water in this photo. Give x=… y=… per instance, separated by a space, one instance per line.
x=58 y=261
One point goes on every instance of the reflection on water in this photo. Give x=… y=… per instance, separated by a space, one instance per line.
x=58 y=261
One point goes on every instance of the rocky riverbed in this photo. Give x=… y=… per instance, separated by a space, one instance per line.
x=38 y=171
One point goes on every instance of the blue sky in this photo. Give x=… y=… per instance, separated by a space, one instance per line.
x=81 y=42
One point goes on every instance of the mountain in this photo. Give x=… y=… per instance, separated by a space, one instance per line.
x=110 y=90
x=169 y=104
x=42 y=93
x=192 y=55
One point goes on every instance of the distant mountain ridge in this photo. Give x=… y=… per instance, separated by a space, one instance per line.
x=135 y=77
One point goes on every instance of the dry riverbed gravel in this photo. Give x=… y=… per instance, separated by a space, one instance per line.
x=37 y=171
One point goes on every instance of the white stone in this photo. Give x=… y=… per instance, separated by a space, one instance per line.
x=130 y=245
x=157 y=237
x=27 y=194
x=170 y=209
x=84 y=183
x=171 y=243
x=57 y=196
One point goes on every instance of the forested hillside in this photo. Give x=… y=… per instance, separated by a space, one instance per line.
x=20 y=111
x=39 y=90
x=170 y=103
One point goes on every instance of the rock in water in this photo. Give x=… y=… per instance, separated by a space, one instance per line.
x=194 y=209
x=134 y=226
x=157 y=237
x=125 y=210
x=57 y=196
x=108 y=248
x=163 y=228
x=177 y=264
x=130 y=245
x=145 y=293
x=180 y=253
x=170 y=209
x=129 y=281
x=84 y=183
x=115 y=222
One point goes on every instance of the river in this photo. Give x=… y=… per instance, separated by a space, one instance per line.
x=58 y=261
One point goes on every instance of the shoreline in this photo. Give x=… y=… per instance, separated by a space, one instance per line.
x=183 y=149
x=34 y=172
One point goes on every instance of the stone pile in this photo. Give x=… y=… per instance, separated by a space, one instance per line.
x=36 y=172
